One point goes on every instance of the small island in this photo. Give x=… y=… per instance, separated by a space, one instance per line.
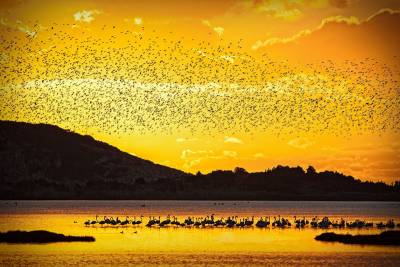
x=391 y=238
x=40 y=236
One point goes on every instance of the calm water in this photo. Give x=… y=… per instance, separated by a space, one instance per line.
x=189 y=246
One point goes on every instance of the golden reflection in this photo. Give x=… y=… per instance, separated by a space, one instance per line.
x=175 y=240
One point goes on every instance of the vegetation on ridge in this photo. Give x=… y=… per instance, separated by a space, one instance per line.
x=46 y=162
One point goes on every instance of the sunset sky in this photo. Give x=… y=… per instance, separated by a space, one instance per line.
x=205 y=85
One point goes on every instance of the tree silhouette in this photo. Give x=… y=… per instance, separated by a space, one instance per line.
x=240 y=170
x=311 y=170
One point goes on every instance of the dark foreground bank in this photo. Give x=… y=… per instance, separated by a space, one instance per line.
x=385 y=238
x=40 y=236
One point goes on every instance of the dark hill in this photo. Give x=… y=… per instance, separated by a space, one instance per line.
x=46 y=162
x=40 y=159
x=287 y=183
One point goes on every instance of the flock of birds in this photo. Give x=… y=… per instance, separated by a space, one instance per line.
x=122 y=81
x=236 y=222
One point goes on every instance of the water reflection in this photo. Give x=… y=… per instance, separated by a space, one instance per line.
x=124 y=240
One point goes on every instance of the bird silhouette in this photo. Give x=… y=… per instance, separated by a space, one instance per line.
x=136 y=82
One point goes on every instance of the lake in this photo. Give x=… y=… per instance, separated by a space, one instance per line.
x=139 y=245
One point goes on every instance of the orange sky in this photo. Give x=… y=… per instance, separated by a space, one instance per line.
x=204 y=85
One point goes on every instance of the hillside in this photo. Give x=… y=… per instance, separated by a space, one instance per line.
x=287 y=183
x=41 y=161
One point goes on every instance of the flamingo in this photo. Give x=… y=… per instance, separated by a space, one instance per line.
x=261 y=223
x=94 y=222
x=139 y=221
x=126 y=221
x=249 y=222
x=103 y=221
x=165 y=222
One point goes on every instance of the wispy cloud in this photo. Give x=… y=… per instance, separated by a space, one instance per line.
x=20 y=26
x=218 y=29
x=233 y=140
x=194 y=157
x=27 y=30
x=349 y=20
x=277 y=40
x=300 y=143
x=228 y=58
x=382 y=11
x=138 y=21
x=230 y=153
x=86 y=15
x=206 y=22
x=188 y=153
x=259 y=155
x=279 y=9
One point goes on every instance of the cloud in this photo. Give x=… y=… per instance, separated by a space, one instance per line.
x=233 y=140
x=228 y=58
x=18 y=25
x=383 y=11
x=339 y=19
x=284 y=40
x=340 y=38
x=290 y=14
x=138 y=21
x=286 y=10
x=86 y=15
x=206 y=22
x=276 y=40
x=194 y=157
x=229 y=153
x=188 y=153
x=259 y=155
x=192 y=163
x=28 y=31
x=218 y=29
x=366 y=161
x=300 y=143
x=349 y=20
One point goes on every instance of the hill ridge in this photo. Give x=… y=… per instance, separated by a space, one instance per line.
x=41 y=161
